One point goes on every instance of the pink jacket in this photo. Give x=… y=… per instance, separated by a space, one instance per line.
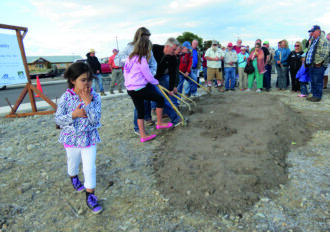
x=137 y=75
x=260 y=60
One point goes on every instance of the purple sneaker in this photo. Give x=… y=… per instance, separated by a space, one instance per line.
x=77 y=185
x=92 y=203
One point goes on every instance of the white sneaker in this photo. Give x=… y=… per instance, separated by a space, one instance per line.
x=247 y=90
x=258 y=90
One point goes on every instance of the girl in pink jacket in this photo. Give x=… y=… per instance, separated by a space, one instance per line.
x=140 y=85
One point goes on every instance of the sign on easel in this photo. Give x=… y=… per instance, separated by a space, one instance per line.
x=11 y=64
x=14 y=70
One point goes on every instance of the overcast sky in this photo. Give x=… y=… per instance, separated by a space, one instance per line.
x=72 y=27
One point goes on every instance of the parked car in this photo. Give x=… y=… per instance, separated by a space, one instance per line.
x=3 y=87
x=105 y=68
x=50 y=73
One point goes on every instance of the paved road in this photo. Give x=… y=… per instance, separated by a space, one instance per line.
x=52 y=91
x=52 y=87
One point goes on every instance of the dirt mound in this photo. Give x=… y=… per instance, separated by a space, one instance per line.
x=229 y=154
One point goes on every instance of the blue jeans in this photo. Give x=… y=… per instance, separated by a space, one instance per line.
x=267 y=76
x=303 y=88
x=205 y=74
x=230 y=75
x=191 y=89
x=316 y=74
x=181 y=81
x=164 y=81
x=99 y=83
x=147 y=114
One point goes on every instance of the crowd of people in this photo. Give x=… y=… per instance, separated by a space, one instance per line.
x=146 y=67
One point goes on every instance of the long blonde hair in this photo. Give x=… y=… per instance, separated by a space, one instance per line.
x=300 y=45
x=142 y=31
x=142 y=48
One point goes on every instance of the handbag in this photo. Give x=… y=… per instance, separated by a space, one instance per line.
x=249 y=69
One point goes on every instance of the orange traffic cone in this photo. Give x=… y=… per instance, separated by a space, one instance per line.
x=38 y=86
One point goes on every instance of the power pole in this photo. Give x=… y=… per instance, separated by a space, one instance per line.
x=117 y=43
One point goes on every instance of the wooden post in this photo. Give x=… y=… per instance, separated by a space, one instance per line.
x=29 y=88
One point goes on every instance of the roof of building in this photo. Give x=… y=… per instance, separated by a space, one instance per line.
x=53 y=59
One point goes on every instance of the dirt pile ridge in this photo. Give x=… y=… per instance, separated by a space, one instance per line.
x=228 y=154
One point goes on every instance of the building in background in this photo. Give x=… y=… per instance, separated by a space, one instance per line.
x=49 y=65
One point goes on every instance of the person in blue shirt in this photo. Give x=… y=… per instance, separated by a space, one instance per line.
x=282 y=65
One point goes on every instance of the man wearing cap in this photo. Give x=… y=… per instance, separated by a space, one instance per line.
x=230 y=67
x=186 y=61
x=117 y=73
x=268 y=65
x=96 y=68
x=242 y=58
x=317 y=59
x=214 y=55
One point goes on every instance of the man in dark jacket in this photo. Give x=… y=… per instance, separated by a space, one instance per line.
x=167 y=73
x=96 y=67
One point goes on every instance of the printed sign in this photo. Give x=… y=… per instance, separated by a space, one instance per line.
x=11 y=64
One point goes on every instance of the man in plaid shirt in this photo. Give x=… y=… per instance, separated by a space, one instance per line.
x=317 y=60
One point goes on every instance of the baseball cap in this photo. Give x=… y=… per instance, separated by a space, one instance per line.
x=266 y=42
x=91 y=50
x=115 y=50
x=230 y=44
x=214 y=42
x=187 y=45
x=314 y=28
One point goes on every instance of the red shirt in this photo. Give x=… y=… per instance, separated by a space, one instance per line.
x=237 y=48
x=112 y=62
x=185 y=63
x=204 y=63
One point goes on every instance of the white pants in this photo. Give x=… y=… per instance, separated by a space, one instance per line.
x=88 y=156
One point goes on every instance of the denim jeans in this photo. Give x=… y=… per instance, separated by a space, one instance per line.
x=181 y=81
x=267 y=76
x=316 y=74
x=191 y=88
x=230 y=73
x=205 y=74
x=164 y=81
x=282 y=72
x=99 y=83
x=303 y=88
x=147 y=114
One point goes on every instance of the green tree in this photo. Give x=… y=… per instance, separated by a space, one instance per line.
x=303 y=43
x=189 y=36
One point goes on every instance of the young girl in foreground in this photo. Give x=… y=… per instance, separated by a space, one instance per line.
x=78 y=114
x=140 y=84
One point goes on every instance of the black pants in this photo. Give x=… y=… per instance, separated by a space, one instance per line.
x=295 y=85
x=147 y=93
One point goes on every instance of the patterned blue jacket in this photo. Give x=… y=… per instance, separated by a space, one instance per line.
x=78 y=132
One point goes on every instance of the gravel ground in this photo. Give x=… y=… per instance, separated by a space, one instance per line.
x=36 y=194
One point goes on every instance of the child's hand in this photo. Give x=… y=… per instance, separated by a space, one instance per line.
x=79 y=113
x=85 y=95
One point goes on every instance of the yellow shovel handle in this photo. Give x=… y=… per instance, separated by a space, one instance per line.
x=195 y=82
x=173 y=106
x=176 y=97
x=181 y=95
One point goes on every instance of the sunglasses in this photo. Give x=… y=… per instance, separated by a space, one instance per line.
x=297 y=45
